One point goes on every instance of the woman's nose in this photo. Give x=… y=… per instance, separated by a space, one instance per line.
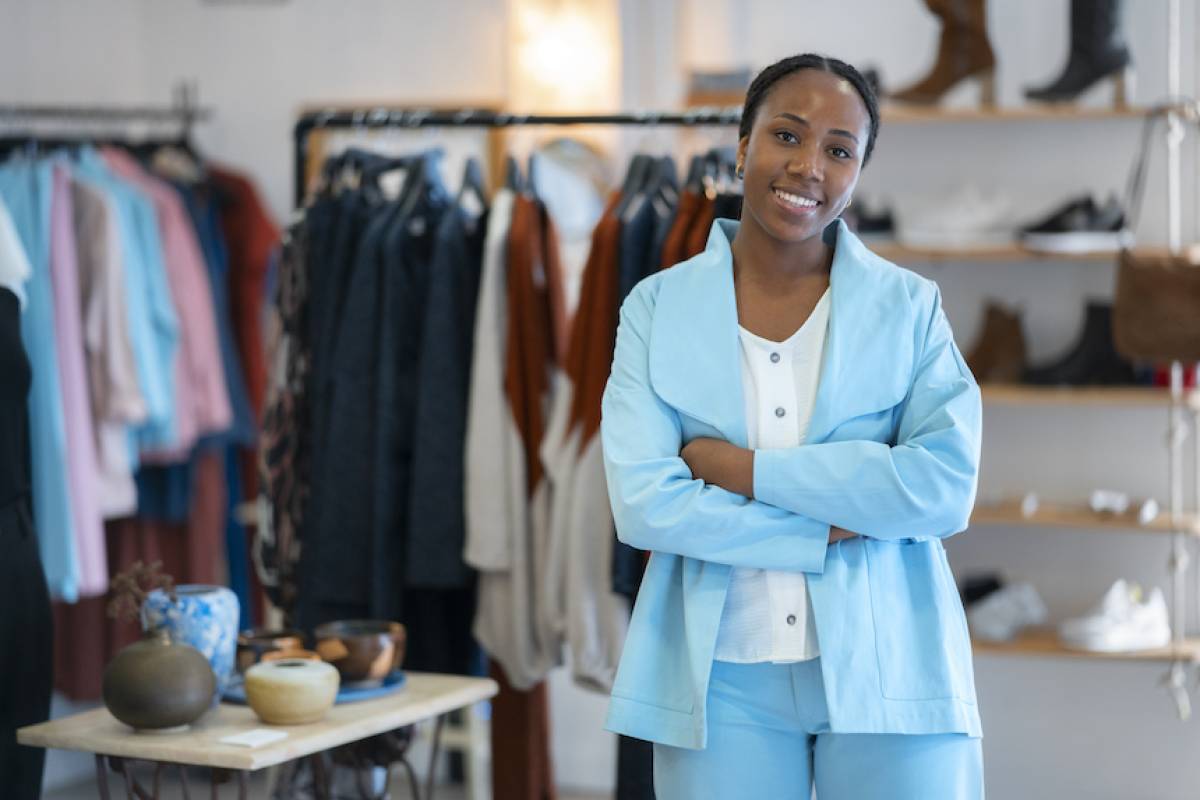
x=805 y=165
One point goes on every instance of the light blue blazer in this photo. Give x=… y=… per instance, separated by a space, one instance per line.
x=892 y=454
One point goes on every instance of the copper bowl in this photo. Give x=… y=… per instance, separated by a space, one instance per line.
x=256 y=644
x=364 y=651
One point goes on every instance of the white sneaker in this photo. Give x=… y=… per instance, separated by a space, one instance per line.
x=999 y=616
x=1122 y=622
x=963 y=218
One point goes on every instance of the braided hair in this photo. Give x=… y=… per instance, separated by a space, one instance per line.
x=763 y=82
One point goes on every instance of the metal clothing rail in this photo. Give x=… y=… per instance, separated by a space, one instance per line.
x=184 y=110
x=382 y=117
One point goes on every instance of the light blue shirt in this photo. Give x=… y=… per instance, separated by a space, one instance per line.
x=892 y=453
x=153 y=324
x=25 y=187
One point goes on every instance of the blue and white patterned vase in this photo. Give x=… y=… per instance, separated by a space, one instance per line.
x=206 y=617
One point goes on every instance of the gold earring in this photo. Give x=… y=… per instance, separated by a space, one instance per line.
x=741 y=171
x=849 y=202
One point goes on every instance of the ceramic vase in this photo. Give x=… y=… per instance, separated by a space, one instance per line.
x=291 y=691
x=205 y=617
x=157 y=684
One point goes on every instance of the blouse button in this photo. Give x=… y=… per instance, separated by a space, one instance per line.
x=791 y=619
x=779 y=412
x=774 y=358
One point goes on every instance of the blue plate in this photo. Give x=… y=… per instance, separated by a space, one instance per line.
x=236 y=693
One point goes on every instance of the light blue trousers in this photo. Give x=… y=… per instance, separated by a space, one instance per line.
x=769 y=737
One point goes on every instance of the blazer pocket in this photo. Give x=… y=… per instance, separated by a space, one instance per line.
x=920 y=632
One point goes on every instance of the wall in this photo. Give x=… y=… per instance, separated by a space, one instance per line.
x=1054 y=727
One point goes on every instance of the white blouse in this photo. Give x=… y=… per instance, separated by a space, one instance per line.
x=767 y=614
x=14 y=265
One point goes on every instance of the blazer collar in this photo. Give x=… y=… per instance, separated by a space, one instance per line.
x=694 y=359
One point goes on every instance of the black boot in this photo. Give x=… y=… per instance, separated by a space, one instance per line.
x=1092 y=361
x=1098 y=51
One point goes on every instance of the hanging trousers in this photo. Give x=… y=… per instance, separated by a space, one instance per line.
x=768 y=736
x=26 y=639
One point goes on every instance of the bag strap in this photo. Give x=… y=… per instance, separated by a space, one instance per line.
x=1135 y=188
x=1135 y=185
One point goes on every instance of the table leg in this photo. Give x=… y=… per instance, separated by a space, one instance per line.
x=183 y=782
x=433 y=756
x=102 y=778
x=242 y=784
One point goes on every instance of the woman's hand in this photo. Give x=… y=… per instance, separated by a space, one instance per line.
x=838 y=534
x=720 y=463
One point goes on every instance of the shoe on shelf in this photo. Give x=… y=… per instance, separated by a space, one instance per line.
x=1122 y=622
x=1097 y=52
x=964 y=218
x=963 y=52
x=871 y=223
x=1003 y=613
x=998 y=355
x=1092 y=361
x=1080 y=226
x=977 y=586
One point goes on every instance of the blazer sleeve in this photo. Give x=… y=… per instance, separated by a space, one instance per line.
x=656 y=503
x=923 y=486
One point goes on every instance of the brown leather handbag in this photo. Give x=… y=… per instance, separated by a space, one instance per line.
x=1156 y=311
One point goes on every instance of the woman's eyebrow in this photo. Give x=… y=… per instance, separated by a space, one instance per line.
x=804 y=122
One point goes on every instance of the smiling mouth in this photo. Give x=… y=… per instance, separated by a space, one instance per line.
x=796 y=201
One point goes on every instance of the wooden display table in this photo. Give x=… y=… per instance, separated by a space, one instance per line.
x=424 y=696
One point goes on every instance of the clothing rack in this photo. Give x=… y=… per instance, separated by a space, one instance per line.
x=184 y=110
x=412 y=118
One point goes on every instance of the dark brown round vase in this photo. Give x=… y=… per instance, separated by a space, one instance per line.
x=156 y=683
x=364 y=651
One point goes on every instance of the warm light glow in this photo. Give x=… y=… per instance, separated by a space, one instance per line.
x=565 y=56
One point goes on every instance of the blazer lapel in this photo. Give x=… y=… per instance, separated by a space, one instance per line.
x=694 y=360
x=867 y=362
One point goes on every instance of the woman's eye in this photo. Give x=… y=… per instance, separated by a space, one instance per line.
x=786 y=136
x=840 y=152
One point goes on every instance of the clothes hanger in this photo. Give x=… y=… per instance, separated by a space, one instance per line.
x=512 y=175
x=635 y=179
x=472 y=185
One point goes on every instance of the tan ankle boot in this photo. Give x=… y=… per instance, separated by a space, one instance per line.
x=999 y=353
x=963 y=52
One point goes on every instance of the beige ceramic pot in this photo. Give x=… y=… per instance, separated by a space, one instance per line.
x=291 y=691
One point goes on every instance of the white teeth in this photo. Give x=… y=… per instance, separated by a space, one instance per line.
x=795 y=199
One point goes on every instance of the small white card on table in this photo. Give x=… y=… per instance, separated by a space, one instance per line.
x=254 y=738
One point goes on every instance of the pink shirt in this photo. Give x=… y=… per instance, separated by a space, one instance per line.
x=72 y=375
x=202 y=397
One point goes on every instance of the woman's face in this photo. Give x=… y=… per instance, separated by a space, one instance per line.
x=803 y=154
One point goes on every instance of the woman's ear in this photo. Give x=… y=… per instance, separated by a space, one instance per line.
x=742 y=145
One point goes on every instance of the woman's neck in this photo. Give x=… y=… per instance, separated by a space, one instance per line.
x=778 y=265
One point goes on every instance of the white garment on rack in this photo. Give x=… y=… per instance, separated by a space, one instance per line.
x=767 y=614
x=14 y=263
x=503 y=526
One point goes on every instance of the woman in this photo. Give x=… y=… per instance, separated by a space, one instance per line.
x=791 y=431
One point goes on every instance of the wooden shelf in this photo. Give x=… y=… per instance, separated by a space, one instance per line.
x=1044 y=642
x=1050 y=515
x=905 y=114
x=902 y=254
x=1117 y=396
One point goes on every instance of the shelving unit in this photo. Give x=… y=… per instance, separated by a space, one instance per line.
x=893 y=113
x=1044 y=642
x=901 y=254
x=1051 y=515
x=1076 y=396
